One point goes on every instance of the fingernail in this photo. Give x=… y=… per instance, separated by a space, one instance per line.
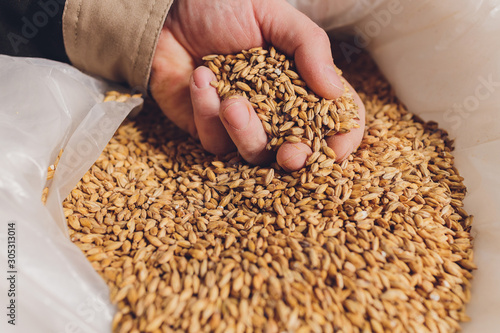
x=334 y=79
x=237 y=115
x=202 y=78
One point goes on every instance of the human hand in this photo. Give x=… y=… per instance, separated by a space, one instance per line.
x=195 y=28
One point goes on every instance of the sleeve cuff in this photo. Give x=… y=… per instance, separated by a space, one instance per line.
x=114 y=39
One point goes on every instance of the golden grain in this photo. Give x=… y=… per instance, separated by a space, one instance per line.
x=189 y=242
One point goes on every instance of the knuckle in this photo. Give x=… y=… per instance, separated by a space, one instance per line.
x=320 y=35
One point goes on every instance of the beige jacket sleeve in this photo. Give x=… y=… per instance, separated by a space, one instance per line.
x=114 y=39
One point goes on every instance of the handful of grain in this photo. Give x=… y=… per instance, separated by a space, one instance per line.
x=289 y=111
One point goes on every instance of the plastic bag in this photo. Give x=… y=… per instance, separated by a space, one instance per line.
x=46 y=106
x=442 y=59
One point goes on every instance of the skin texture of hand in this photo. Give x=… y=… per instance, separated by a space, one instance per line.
x=181 y=86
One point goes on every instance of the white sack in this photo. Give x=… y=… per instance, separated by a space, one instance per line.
x=46 y=106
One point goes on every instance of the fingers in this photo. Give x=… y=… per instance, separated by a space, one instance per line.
x=206 y=105
x=293 y=156
x=345 y=144
x=245 y=129
x=295 y=34
x=222 y=126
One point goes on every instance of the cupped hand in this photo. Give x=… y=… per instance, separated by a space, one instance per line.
x=181 y=86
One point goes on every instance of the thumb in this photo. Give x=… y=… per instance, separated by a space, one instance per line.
x=295 y=34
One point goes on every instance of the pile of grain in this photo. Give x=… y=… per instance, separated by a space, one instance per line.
x=188 y=242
